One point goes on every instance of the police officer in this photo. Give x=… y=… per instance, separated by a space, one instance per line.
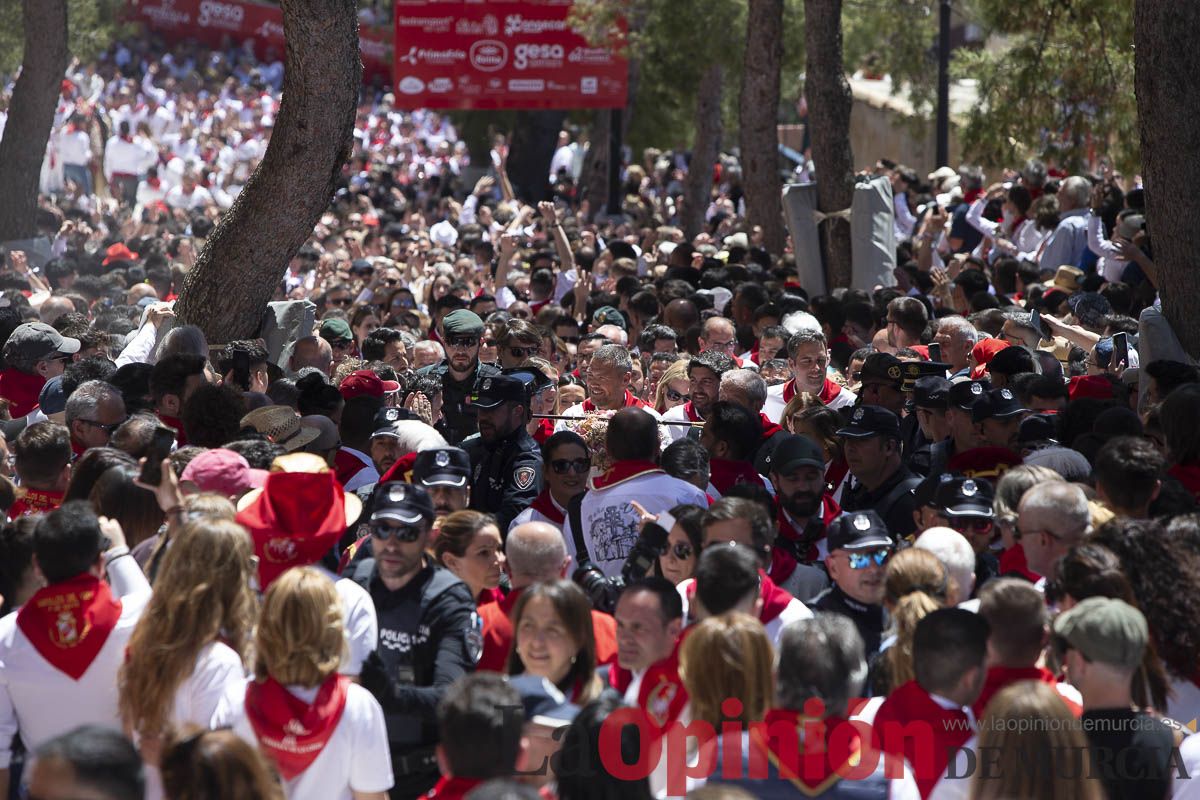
x=506 y=462
x=871 y=442
x=859 y=548
x=459 y=373
x=429 y=634
x=964 y=435
x=445 y=473
x=929 y=407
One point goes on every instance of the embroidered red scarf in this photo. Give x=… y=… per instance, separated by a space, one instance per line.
x=68 y=622
x=774 y=599
x=544 y=430
x=630 y=400
x=544 y=505
x=623 y=471
x=291 y=732
x=769 y=428
x=21 y=390
x=34 y=501
x=690 y=412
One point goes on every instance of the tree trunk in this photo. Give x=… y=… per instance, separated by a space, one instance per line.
x=236 y=274
x=1166 y=61
x=697 y=188
x=758 y=115
x=829 y=104
x=31 y=115
x=534 y=139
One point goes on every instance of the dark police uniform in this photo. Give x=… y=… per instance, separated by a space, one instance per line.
x=849 y=532
x=929 y=392
x=893 y=501
x=429 y=635
x=506 y=475
x=458 y=418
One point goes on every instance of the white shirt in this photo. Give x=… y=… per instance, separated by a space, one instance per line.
x=611 y=526
x=368 y=474
x=75 y=147
x=355 y=758
x=794 y=611
x=132 y=158
x=42 y=702
x=1189 y=756
x=198 y=198
x=531 y=514
x=676 y=432
x=361 y=623
x=775 y=404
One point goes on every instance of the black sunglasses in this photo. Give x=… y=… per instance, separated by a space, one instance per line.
x=523 y=352
x=106 y=427
x=464 y=341
x=676 y=397
x=342 y=301
x=403 y=533
x=682 y=550
x=562 y=466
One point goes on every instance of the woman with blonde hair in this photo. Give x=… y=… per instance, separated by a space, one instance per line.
x=1041 y=752
x=469 y=545
x=188 y=648
x=728 y=656
x=324 y=734
x=916 y=584
x=673 y=387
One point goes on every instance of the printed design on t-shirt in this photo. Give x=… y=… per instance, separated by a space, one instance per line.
x=614 y=533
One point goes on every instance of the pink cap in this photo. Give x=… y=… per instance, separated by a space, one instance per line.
x=223 y=472
x=364 y=382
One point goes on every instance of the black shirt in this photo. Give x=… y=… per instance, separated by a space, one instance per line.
x=458 y=418
x=893 y=501
x=506 y=476
x=870 y=620
x=1132 y=753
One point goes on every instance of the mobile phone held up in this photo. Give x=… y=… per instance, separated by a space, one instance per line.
x=160 y=447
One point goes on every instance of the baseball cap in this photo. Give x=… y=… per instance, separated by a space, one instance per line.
x=52 y=399
x=882 y=367
x=402 y=502
x=793 y=451
x=913 y=371
x=997 y=404
x=964 y=497
x=223 y=472
x=534 y=379
x=931 y=392
x=36 y=341
x=1105 y=630
x=858 y=530
x=365 y=383
x=336 y=330
x=867 y=421
x=492 y=391
x=544 y=703
x=442 y=466
x=965 y=394
x=462 y=322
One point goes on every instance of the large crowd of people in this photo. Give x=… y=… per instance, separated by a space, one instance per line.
x=517 y=502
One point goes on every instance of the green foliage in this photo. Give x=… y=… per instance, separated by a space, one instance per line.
x=93 y=25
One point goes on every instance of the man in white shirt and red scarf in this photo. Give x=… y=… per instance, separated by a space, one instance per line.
x=43 y=464
x=608 y=525
x=609 y=373
x=704 y=384
x=61 y=651
x=808 y=358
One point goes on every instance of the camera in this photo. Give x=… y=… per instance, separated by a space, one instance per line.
x=602 y=590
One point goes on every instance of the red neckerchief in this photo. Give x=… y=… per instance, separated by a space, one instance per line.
x=34 y=501
x=544 y=431
x=829 y=390
x=690 y=412
x=1001 y=677
x=1012 y=561
x=619 y=678
x=971 y=195
x=929 y=752
x=769 y=428
x=623 y=471
x=452 y=788
x=774 y=599
x=662 y=694
x=544 y=505
x=630 y=401
x=21 y=390
x=177 y=424
x=293 y=733
x=812 y=767
x=346 y=465
x=349 y=553
x=489 y=596
x=783 y=563
x=400 y=470
x=724 y=473
x=68 y=622
x=754 y=355
x=537 y=305
x=294 y=521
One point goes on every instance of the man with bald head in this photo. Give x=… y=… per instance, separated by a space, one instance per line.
x=614 y=334
x=311 y=351
x=534 y=553
x=681 y=316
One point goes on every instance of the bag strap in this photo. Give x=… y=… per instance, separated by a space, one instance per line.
x=575 y=512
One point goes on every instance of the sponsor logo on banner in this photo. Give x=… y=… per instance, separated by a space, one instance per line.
x=214 y=14
x=270 y=30
x=446 y=57
x=526 y=85
x=515 y=23
x=410 y=84
x=426 y=24
x=537 y=55
x=488 y=26
x=440 y=85
x=166 y=14
x=489 y=55
x=590 y=55
x=587 y=85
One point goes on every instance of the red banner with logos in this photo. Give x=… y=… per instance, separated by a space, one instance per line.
x=210 y=21
x=500 y=54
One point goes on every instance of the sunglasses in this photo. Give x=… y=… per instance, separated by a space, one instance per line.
x=403 y=533
x=676 y=397
x=562 y=466
x=978 y=524
x=462 y=343
x=344 y=344
x=523 y=352
x=681 y=550
x=341 y=301
x=863 y=560
x=487 y=343
x=107 y=428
